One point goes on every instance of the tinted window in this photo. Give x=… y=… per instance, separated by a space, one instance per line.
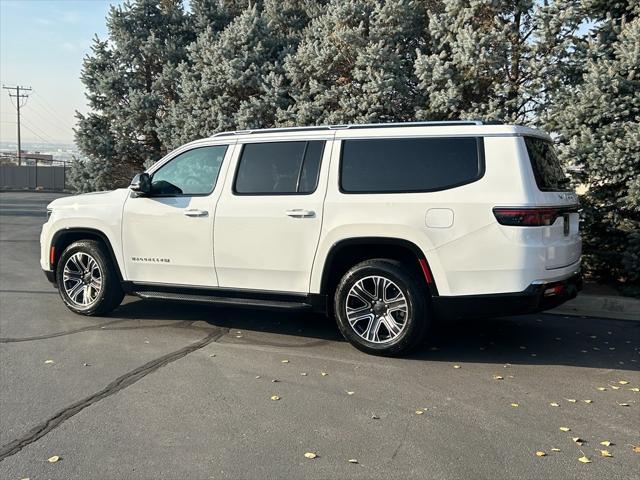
x=279 y=168
x=546 y=166
x=409 y=164
x=193 y=172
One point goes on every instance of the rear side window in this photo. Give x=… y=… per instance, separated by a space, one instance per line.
x=546 y=166
x=409 y=164
x=279 y=168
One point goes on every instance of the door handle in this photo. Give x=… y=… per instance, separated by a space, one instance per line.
x=300 y=213
x=196 y=213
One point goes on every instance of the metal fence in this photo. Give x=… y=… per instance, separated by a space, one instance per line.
x=50 y=175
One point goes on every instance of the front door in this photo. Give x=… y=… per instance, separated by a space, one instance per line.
x=269 y=216
x=167 y=235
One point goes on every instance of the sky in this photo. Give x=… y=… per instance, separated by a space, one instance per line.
x=42 y=44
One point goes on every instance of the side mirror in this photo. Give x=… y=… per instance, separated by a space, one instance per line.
x=141 y=184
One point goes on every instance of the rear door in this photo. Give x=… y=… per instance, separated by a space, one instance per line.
x=269 y=216
x=562 y=237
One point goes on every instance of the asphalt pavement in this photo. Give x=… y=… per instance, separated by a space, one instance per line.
x=161 y=390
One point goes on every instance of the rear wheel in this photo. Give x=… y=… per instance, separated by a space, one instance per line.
x=381 y=307
x=87 y=279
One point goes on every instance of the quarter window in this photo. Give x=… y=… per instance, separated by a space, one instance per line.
x=409 y=164
x=279 y=168
x=547 y=169
x=193 y=172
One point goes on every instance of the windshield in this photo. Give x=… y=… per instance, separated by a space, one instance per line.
x=546 y=165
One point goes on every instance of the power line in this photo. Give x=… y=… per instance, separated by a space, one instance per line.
x=37 y=135
x=19 y=103
x=44 y=104
x=32 y=127
x=59 y=127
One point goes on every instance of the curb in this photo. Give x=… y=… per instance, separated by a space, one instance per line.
x=605 y=306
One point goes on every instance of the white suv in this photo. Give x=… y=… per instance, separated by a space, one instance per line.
x=383 y=226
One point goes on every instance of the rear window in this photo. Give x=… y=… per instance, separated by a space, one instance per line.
x=279 y=168
x=547 y=169
x=409 y=164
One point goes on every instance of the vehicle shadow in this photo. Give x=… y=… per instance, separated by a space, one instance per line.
x=537 y=339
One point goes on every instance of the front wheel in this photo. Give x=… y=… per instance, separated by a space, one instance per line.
x=381 y=307
x=87 y=279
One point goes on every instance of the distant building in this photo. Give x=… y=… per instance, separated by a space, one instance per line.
x=28 y=158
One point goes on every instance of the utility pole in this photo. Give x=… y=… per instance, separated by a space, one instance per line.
x=19 y=97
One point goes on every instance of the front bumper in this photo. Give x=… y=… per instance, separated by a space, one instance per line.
x=536 y=297
x=51 y=276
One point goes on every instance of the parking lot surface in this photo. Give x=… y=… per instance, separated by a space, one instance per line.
x=162 y=390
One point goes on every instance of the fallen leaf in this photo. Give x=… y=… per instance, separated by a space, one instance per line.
x=584 y=459
x=588 y=401
x=324 y=374
x=515 y=405
x=275 y=397
x=635 y=389
x=614 y=387
x=375 y=417
x=304 y=374
x=572 y=400
x=419 y=412
x=565 y=429
x=623 y=404
x=606 y=443
x=48 y=361
x=623 y=382
x=636 y=448
x=350 y=393
x=86 y=364
x=554 y=404
x=212 y=355
x=275 y=380
x=540 y=454
x=605 y=453
x=577 y=440
x=602 y=389
x=353 y=460
x=257 y=376
x=555 y=449
x=498 y=377
x=54 y=459
x=310 y=455
x=238 y=336
x=457 y=366
x=285 y=361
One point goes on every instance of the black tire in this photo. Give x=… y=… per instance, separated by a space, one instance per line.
x=415 y=315
x=110 y=294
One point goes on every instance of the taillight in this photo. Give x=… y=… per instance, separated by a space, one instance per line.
x=526 y=217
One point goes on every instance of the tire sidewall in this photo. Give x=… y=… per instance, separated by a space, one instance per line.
x=416 y=317
x=97 y=254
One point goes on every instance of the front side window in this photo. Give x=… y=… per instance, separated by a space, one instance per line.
x=279 y=168
x=399 y=165
x=193 y=172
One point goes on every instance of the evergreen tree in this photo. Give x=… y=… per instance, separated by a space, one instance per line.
x=129 y=79
x=496 y=59
x=599 y=127
x=355 y=64
x=233 y=78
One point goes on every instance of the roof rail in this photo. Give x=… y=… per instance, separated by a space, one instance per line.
x=443 y=123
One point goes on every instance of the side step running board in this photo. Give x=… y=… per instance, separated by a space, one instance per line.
x=238 y=302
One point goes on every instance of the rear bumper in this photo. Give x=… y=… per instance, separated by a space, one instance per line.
x=535 y=298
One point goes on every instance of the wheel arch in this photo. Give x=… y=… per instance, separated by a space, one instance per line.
x=348 y=252
x=63 y=238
